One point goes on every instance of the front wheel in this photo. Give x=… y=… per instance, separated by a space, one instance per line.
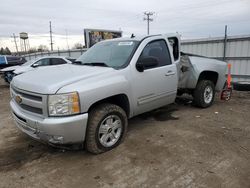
x=204 y=94
x=106 y=129
x=8 y=76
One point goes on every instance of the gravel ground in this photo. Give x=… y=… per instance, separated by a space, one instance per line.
x=175 y=146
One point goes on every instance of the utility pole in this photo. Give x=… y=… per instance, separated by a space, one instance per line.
x=148 y=19
x=14 y=37
x=67 y=41
x=225 y=44
x=50 y=32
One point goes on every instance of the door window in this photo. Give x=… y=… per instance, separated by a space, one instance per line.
x=42 y=62
x=159 y=50
x=57 y=61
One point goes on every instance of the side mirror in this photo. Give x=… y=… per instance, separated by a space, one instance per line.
x=35 y=65
x=147 y=62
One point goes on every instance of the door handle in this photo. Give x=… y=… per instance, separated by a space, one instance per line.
x=169 y=73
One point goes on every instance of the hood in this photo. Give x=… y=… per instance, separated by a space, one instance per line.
x=23 y=69
x=48 y=80
x=12 y=68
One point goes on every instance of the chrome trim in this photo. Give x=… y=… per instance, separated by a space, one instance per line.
x=33 y=103
x=152 y=97
x=23 y=124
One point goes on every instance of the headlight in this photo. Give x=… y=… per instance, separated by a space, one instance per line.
x=64 y=104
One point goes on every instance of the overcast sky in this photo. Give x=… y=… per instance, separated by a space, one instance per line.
x=190 y=18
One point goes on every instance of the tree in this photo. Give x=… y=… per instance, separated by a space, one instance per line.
x=42 y=48
x=7 y=51
x=32 y=50
x=78 y=46
x=2 y=51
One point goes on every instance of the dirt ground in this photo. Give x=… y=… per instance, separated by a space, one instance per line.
x=176 y=146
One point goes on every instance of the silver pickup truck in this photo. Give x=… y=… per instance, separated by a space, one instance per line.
x=91 y=100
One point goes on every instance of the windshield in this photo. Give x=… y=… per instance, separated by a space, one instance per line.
x=114 y=54
x=28 y=63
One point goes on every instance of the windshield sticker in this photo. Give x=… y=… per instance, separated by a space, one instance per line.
x=125 y=43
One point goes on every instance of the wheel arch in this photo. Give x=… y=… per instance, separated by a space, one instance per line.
x=208 y=75
x=120 y=100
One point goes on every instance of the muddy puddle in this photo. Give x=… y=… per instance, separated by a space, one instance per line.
x=161 y=114
x=15 y=156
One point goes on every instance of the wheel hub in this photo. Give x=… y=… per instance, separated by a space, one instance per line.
x=110 y=130
x=208 y=94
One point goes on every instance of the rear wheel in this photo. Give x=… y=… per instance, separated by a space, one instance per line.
x=204 y=94
x=106 y=129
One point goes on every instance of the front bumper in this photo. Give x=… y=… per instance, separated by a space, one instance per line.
x=54 y=130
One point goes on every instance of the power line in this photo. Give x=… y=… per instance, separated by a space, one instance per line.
x=50 y=32
x=148 y=19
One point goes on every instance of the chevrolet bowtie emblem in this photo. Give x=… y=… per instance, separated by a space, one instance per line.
x=18 y=99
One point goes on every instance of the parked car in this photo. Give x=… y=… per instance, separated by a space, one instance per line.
x=7 y=61
x=10 y=72
x=91 y=100
x=241 y=86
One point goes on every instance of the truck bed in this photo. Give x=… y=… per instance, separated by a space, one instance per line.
x=191 y=66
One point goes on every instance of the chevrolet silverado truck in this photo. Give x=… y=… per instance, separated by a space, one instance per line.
x=91 y=100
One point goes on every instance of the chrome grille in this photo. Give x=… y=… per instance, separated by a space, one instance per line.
x=31 y=109
x=31 y=102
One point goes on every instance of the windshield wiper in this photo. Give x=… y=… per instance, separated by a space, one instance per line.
x=77 y=62
x=101 y=64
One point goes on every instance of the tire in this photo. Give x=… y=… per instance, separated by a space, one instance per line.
x=8 y=76
x=107 y=127
x=5 y=77
x=179 y=93
x=199 y=94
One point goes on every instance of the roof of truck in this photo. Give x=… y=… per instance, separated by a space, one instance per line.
x=142 y=37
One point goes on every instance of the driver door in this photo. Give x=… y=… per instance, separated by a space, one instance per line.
x=155 y=86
